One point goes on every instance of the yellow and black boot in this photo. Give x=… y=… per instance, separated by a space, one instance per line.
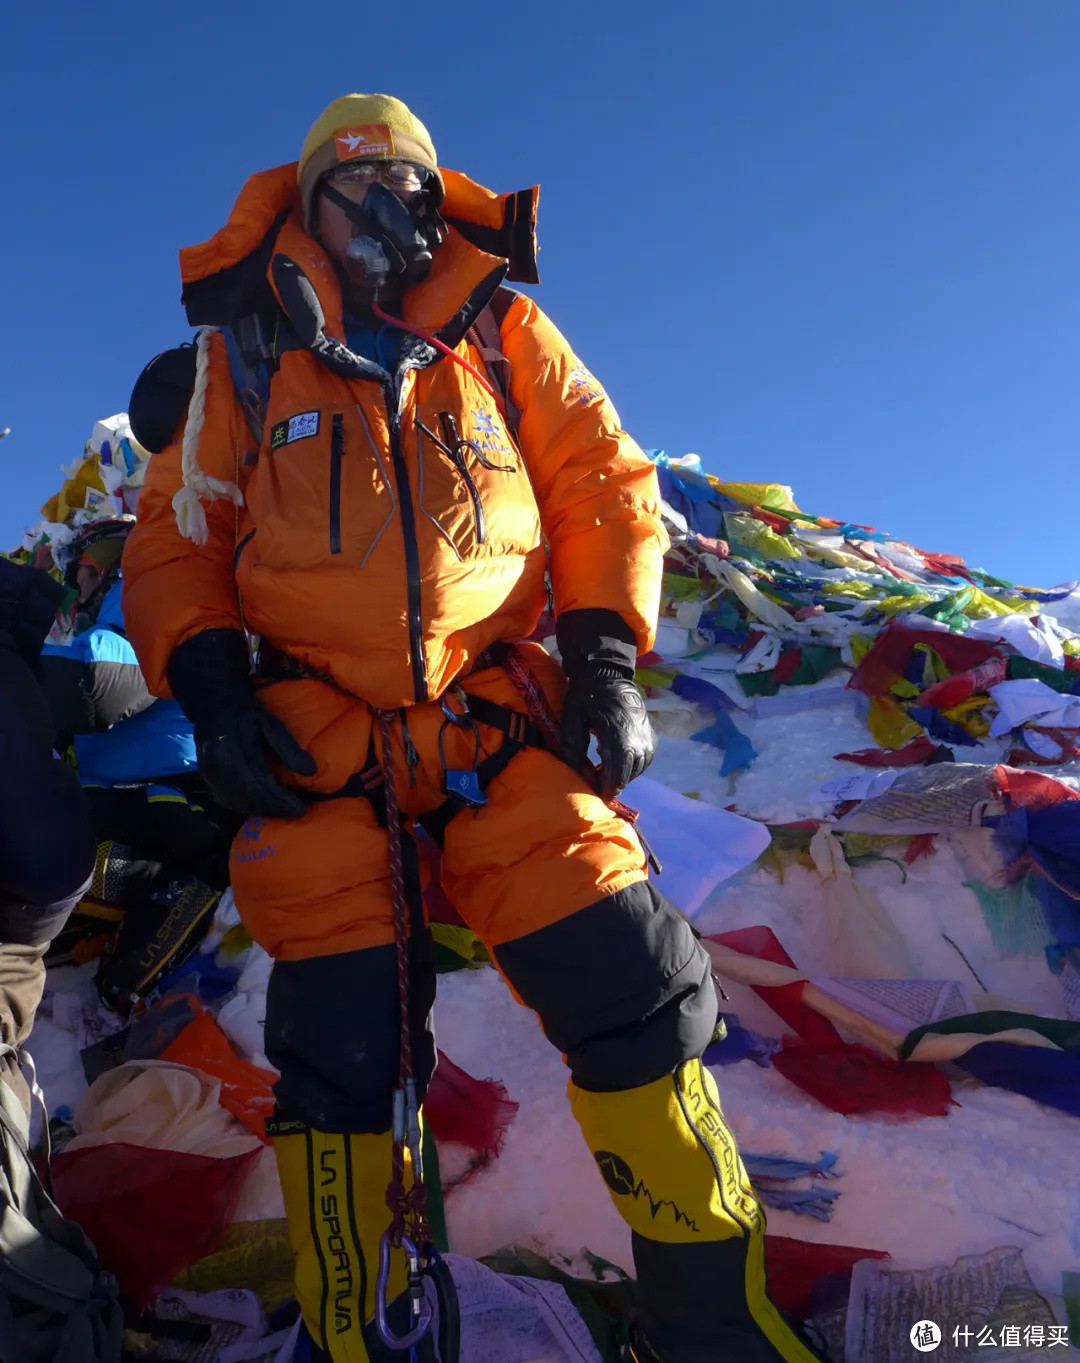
x=118 y=877
x=676 y=1178
x=334 y=1186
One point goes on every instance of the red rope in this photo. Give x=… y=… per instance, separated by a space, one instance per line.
x=536 y=703
x=409 y=1207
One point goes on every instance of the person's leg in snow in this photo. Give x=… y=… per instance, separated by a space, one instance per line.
x=555 y=884
x=332 y=1030
x=624 y=990
x=46 y=837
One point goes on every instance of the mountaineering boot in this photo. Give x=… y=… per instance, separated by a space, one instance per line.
x=334 y=1186
x=118 y=878
x=161 y=929
x=675 y=1176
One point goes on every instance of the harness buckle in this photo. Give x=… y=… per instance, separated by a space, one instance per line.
x=461 y=783
x=464 y=784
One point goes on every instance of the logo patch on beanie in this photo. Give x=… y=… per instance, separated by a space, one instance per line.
x=369 y=139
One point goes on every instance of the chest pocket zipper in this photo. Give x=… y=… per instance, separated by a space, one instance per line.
x=453 y=449
x=337 y=451
x=457 y=450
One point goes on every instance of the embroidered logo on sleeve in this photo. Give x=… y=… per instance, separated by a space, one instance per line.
x=298 y=427
x=583 y=388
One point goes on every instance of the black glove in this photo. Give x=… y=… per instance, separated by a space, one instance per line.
x=211 y=678
x=599 y=656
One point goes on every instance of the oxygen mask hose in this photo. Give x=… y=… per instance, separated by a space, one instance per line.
x=434 y=340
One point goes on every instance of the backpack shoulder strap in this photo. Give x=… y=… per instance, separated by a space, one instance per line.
x=487 y=337
x=159 y=400
x=252 y=363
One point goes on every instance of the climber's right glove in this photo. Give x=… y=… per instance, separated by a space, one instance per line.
x=210 y=677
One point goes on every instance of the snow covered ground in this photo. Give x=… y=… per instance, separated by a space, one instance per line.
x=998 y=1170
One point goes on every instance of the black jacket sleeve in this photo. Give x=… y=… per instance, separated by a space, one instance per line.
x=91 y=696
x=29 y=600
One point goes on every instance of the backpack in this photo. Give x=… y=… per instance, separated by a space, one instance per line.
x=57 y=1303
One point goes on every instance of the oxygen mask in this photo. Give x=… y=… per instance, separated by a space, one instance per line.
x=395 y=224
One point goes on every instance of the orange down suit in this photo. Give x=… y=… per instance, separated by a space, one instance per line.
x=386 y=566
x=363 y=552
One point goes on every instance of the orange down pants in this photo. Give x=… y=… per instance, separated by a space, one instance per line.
x=542 y=847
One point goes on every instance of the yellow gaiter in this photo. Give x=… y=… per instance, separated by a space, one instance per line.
x=675 y=1176
x=334 y=1187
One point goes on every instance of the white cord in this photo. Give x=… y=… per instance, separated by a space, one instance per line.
x=197 y=485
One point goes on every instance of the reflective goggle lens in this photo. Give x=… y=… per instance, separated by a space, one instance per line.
x=399 y=176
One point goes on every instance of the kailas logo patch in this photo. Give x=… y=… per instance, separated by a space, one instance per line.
x=370 y=139
x=298 y=427
x=485 y=422
x=583 y=387
x=250 y=845
x=489 y=438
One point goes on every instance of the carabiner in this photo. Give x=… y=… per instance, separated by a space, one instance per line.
x=421 y=1307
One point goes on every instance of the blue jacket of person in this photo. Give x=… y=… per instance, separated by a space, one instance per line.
x=123 y=735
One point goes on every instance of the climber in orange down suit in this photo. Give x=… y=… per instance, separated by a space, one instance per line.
x=383 y=528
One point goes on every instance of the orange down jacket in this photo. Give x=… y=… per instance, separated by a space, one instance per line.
x=362 y=547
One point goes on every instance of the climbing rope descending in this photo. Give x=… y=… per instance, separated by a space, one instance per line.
x=409 y=1229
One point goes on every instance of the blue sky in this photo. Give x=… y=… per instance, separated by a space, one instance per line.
x=829 y=243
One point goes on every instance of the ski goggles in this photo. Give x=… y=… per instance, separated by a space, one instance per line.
x=404 y=178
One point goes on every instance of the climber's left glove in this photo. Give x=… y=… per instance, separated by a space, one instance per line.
x=599 y=656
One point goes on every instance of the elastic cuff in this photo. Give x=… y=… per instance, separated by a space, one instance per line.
x=596 y=643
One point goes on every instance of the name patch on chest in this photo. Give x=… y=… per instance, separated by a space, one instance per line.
x=297 y=427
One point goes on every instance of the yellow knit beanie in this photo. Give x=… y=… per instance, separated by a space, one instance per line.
x=355 y=127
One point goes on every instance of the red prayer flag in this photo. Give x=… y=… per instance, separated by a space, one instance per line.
x=1031 y=789
x=149 y=1213
x=473 y=1112
x=891 y=650
x=788 y=662
x=785 y=1000
x=918 y=750
x=800 y=1273
x=851 y=1079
